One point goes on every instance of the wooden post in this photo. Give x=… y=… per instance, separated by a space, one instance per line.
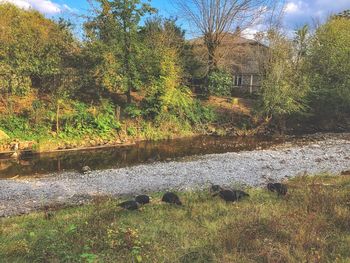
x=251 y=83
x=57 y=117
x=117 y=113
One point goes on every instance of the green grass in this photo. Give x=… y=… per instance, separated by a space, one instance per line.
x=310 y=224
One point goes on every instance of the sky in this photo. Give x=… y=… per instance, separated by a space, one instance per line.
x=297 y=12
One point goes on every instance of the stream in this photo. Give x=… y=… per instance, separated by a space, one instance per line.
x=33 y=164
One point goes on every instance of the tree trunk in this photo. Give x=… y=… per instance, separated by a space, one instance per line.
x=212 y=62
x=127 y=52
x=57 y=118
x=282 y=125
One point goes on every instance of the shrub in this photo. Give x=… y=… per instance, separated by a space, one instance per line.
x=176 y=102
x=133 y=111
x=329 y=63
x=94 y=120
x=220 y=83
x=21 y=127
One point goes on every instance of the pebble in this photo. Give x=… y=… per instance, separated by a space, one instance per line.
x=251 y=168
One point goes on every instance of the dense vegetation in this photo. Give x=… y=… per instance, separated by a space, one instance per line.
x=124 y=80
x=310 y=224
x=308 y=76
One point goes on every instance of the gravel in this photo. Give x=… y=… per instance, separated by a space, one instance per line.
x=248 y=168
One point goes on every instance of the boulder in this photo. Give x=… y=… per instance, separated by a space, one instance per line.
x=3 y=136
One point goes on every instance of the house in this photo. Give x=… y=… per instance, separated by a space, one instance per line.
x=241 y=56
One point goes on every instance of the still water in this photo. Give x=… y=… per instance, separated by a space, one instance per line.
x=117 y=157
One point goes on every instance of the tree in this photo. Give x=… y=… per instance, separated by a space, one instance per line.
x=128 y=14
x=35 y=52
x=167 y=98
x=114 y=31
x=285 y=84
x=329 y=67
x=214 y=19
x=100 y=61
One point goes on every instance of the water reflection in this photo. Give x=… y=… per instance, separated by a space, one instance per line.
x=117 y=157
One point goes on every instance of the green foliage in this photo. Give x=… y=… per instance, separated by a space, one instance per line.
x=133 y=111
x=131 y=131
x=167 y=99
x=178 y=103
x=33 y=49
x=329 y=67
x=284 y=86
x=77 y=120
x=22 y=127
x=220 y=83
x=100 y=60
x=89 y=120
x=128 y=14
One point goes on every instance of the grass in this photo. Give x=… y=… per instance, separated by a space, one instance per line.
x=310 y=224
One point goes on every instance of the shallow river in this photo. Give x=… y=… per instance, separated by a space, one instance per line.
x=123 y=156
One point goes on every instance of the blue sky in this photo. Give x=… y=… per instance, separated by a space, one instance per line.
x=297 y=12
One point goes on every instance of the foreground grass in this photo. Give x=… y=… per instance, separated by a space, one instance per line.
x=311 y=224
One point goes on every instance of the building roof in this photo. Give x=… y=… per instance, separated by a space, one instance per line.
x=235 y=53
x=344 y=14
x=230 y=38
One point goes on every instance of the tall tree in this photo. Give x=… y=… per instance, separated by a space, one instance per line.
x=285 y=84
x=214 y=19
x=329 y=67
x=128 y=14
x=34 y=51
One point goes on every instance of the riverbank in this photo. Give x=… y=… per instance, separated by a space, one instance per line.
x=310 y=224
x=223 y=118
x=249 y=168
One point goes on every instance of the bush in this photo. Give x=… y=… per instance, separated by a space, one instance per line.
x=220 y=83
x=133 y=111
x=329 y=63
x=22 y=128
x=84 y=120
x=176 y=102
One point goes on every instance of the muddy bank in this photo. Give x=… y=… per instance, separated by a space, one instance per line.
x=251 y=168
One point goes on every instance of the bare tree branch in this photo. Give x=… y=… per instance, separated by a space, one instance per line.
x=214 y=19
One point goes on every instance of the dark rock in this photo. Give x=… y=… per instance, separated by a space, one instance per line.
x=130 y=205
x=86 y=169
x=142 y=199
x=171 y=198
x=280 y=189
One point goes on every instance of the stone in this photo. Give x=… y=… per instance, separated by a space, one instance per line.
x=86 y=170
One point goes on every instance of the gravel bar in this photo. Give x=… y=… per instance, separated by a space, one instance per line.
x=250 y=168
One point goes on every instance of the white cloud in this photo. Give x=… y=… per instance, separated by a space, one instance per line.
x=291 y=7
x=66 y=7
x=299 y=12
x=250 y=32
x=20 y=3
x=44 y=6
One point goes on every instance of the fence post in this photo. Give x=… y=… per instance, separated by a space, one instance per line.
x=117 y=113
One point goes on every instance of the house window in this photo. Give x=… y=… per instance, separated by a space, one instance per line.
x=238 y=80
